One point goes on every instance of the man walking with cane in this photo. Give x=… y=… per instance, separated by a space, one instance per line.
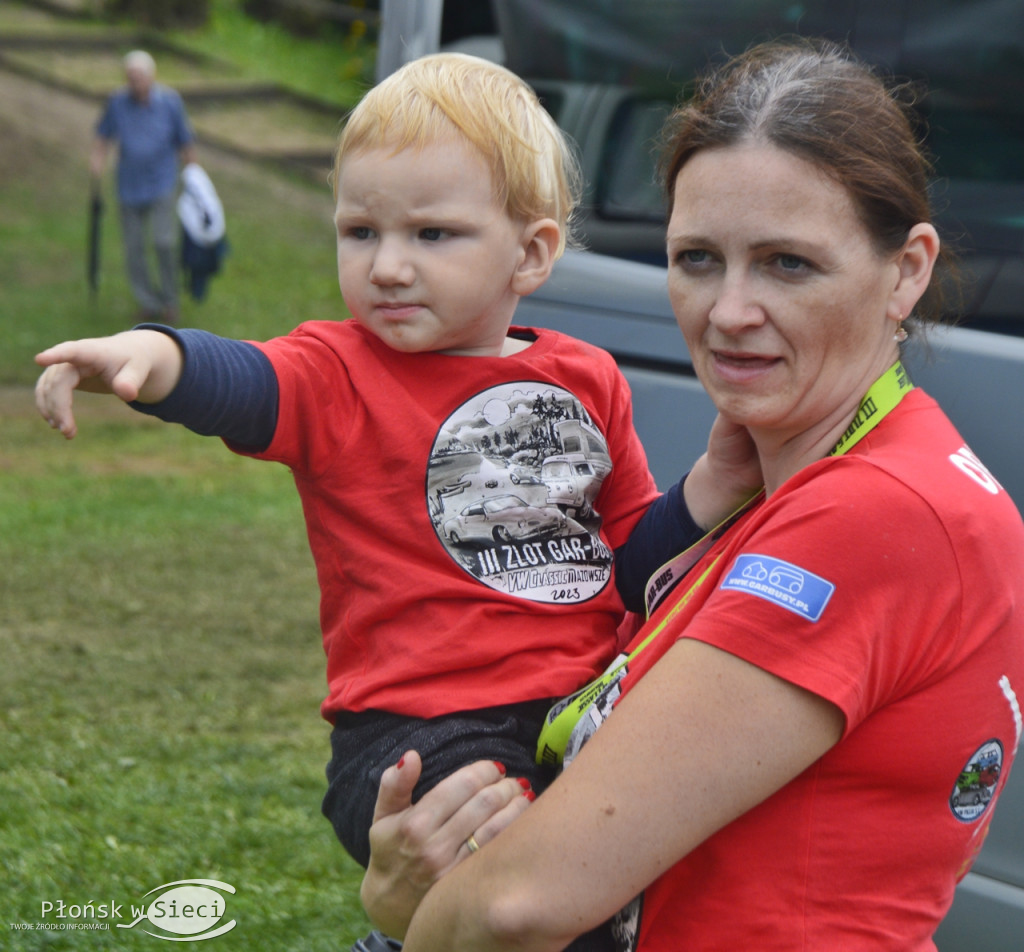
x=149 y=124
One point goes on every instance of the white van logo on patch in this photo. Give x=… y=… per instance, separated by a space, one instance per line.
x=789 y=586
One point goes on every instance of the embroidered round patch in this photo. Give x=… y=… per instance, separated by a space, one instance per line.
x=976 y=784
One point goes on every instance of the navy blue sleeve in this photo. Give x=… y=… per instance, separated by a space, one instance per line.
x=228 y=388
x=665 y=530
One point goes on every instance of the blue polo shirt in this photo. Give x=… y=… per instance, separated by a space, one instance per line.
x=149 y=136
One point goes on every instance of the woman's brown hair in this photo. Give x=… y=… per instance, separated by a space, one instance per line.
x=817 y=100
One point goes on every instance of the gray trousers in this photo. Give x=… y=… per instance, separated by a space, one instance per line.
x=138 y=222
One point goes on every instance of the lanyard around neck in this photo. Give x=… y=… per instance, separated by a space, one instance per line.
x=880 y=400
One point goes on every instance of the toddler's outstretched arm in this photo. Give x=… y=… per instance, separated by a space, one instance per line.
x=139 y=365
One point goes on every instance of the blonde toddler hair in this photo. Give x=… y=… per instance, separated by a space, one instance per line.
x=535 y=171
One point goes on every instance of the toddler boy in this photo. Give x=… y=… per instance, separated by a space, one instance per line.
x=464 y=482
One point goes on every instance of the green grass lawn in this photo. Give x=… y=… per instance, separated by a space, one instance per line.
x=161 y=669
x=160 y=684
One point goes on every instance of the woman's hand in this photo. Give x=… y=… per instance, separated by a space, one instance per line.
x=414 y=845
x=725 y=477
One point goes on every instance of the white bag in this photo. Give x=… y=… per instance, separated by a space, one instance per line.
x=199 y=207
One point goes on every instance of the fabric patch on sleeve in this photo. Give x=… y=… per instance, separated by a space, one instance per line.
x=801 y=592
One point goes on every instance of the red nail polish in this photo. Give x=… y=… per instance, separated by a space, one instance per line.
x=524 y=783
x=500 y=766
x=530 y=795
x=401 y=760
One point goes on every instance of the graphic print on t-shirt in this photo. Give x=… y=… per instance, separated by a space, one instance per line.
x=976 y=784
x=511 y=483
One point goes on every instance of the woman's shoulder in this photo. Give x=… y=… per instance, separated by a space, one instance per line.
x=920 y=449
x=915 y=474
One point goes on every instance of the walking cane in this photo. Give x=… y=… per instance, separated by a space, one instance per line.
x=93 y=252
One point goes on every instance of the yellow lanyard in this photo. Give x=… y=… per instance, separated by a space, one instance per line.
x=885 y=393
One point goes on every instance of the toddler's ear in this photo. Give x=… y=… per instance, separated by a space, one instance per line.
x=540 y=243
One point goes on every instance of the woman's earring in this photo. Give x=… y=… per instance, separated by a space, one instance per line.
x=901 y=332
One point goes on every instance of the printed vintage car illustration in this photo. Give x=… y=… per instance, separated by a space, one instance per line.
x=504 y=519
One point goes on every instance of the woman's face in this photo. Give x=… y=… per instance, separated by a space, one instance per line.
x=784 y=301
